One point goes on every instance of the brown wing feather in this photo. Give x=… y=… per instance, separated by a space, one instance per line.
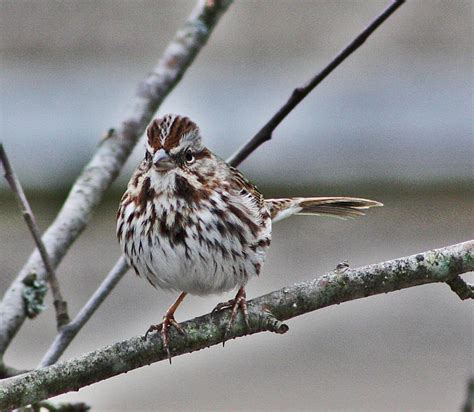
x=243 y=185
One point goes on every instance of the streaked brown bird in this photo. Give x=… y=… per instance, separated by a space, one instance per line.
x=191 y=223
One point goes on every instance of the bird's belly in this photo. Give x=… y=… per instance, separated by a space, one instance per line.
x=197 y=267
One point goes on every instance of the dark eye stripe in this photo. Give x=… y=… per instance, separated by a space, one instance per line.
x=202 y=154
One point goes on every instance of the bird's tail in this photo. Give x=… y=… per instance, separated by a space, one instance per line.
x=342 y=207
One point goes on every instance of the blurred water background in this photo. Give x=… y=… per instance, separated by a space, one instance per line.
x=394 y=123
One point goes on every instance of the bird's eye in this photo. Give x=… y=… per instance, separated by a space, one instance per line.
x=189 y=157
x=147 y=156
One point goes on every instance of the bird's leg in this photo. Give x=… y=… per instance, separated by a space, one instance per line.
x=168 y=321
x=239 y=302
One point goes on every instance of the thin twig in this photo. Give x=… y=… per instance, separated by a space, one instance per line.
x=469 y=403
x=7 y=371
x=300 y=93
x=461 y=288
x=104 y=167
x=60 y=407
x=265 y=313
x=67 y=334
x=62 y=317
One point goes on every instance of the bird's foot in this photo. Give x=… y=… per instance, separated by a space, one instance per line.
x=168 y=322
x=239 y=302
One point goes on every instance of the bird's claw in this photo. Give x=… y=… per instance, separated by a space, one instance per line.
x=168 y=322
x=239 y=302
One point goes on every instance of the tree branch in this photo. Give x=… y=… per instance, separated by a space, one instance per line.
x=461 y=288
x=111 y=155
x=469 y=403
x=266 y=313
x=7 y=371
x=300 y=93
x=68 y=333
x=62 y=317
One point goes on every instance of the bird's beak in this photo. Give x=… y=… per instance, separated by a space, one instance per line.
x=162 y=161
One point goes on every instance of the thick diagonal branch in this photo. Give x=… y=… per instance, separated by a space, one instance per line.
x=111 y=155
x=62 y=317
x=266 y=313
x=265 y=133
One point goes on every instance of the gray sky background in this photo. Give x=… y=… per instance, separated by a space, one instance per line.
x=398 y=111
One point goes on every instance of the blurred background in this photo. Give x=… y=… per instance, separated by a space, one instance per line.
x=393 y=123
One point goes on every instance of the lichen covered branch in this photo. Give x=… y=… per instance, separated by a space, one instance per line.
x=265 y=313
x=105 y=165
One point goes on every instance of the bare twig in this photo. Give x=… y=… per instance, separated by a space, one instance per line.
x=62 y=317
x=469 y=403
x=61 y=407
x=461 y=288
x=266 y=313
x=67 y=334
x=7 y=371
x=300 y=93
x=111 y=155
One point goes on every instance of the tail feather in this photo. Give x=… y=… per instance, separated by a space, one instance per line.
x=342 y=207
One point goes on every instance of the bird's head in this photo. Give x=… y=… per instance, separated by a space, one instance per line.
x=174 y=142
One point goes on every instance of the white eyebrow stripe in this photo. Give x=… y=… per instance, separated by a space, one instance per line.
x=166 y=126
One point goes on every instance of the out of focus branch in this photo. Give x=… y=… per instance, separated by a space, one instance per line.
x=266 y=313
x=62 y=317
x=469 y=403
x=300 y=93
x=7 y=371
x=68 y=333
x=61 y=407
x=110 y=156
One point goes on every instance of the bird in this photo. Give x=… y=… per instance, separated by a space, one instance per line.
x=191 y=223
